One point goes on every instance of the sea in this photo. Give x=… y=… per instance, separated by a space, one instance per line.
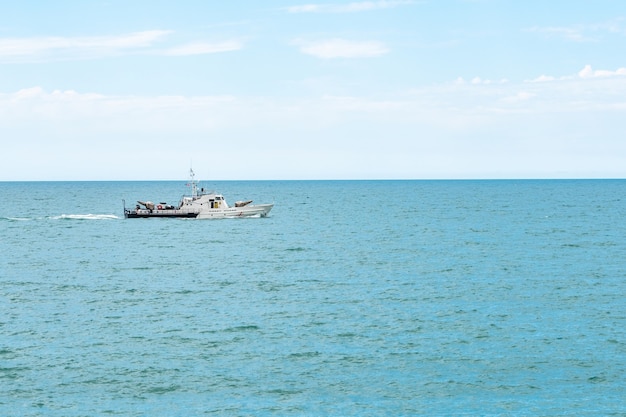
x=352 y=298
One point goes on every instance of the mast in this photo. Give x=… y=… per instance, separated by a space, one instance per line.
x=193 y=183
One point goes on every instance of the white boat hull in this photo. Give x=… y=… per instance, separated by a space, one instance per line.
x=260 y=210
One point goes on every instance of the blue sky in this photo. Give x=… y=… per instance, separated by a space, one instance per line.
x=125 y=90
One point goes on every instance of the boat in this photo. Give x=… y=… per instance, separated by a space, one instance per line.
x=199 y=204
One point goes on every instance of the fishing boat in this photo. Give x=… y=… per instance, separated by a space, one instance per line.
x=199 y=204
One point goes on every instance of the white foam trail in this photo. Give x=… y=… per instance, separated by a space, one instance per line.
x=86 y=217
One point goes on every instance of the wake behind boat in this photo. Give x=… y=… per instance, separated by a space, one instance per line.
x=200 y=204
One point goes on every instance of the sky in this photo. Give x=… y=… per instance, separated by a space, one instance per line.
x=280 y=90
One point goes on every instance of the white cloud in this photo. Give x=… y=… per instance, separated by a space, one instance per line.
x=583 y=32
x=21 y=49
x=512 y=118
x=342 y=48
x=519 y=97
x=480 y=81
x=585 y=91
x=471 y=101
x=200 y=48
x=38 y=93
x=542 y=79
x=348 y=7
x=588 y=72
x=576 y=34
x=43 y=49
x=27 y=93
x=307 y=8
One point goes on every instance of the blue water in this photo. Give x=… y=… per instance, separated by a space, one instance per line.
x=364 y=298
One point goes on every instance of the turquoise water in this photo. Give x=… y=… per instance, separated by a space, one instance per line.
x=353 y=298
